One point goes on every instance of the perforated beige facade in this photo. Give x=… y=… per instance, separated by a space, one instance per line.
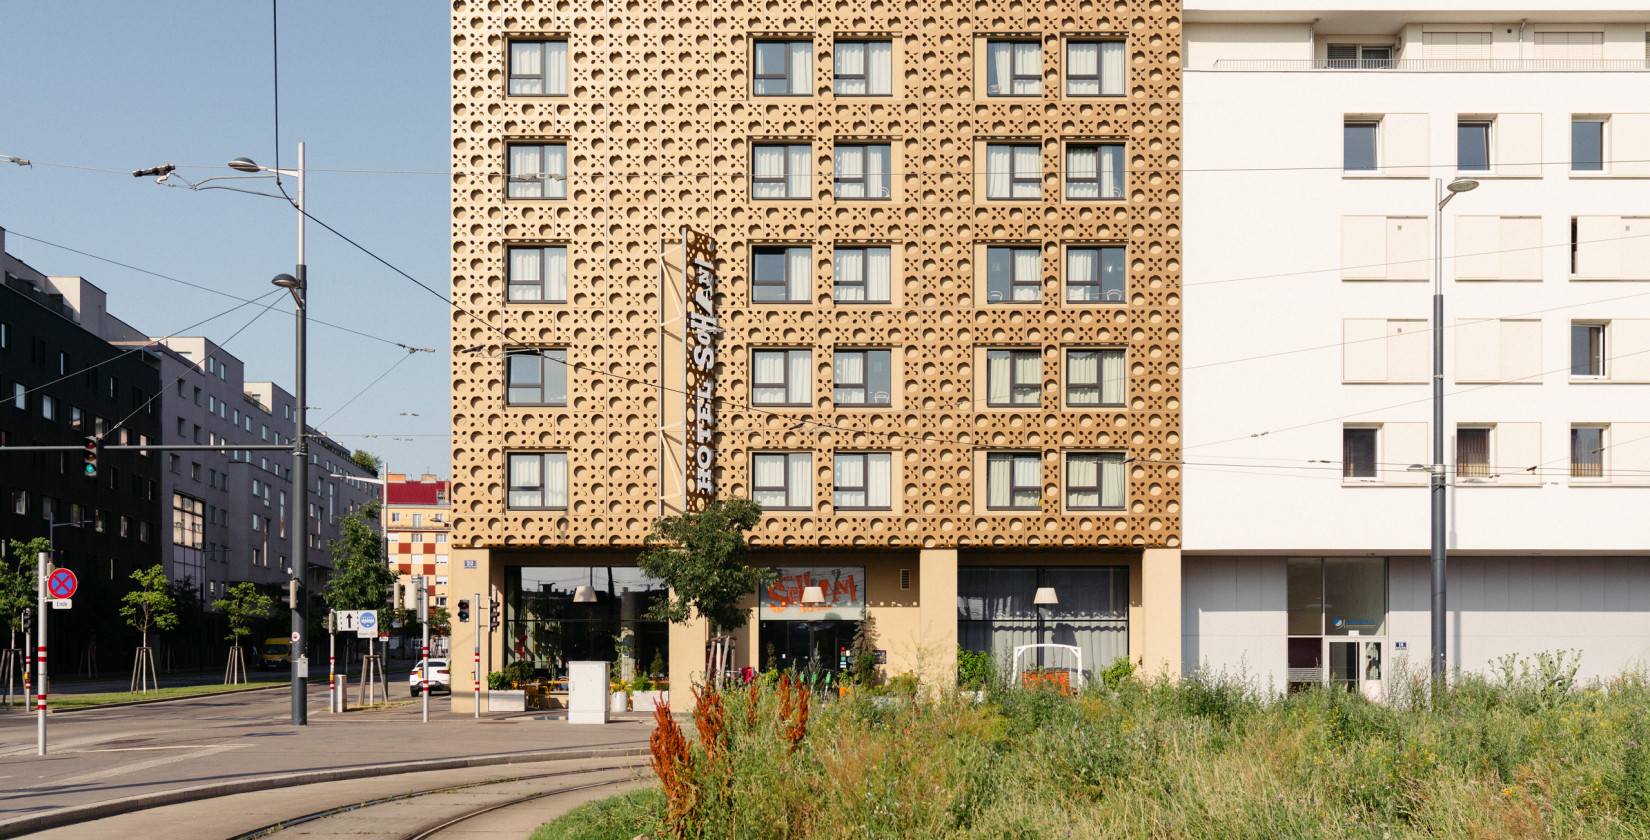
x=999 y=160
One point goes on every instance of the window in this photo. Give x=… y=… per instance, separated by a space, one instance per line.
x=440 y=538
x=1013 y=274
x=538 y=274
x=1358 y=57
x=5 y=336
x=781 y=275
x=538 y=170
x=1095 y=68
x=1094 y=275
x=1568 y=47
x=188 y=521
x=1472 y=145
x=537 y=376
x=863 y=68
x=1013 y=481
x=862 y=378
x=1472 y=452
x=1586 y=144
x=862 y=171
x=1358 y=145
x=862 y=481
x=1385 y=248
x=172 y=462
x=1094 y=377
x=781 y=171
x=1013 y=378
x=1013 y=171
x=195 y=471
x=1013 y=68
x=1386 y=350
x=19 y=396
x=1358 y=452
x=1094 y=171
x=48 y=406
x=395 y=517
x=1587 y=451
x=1469 y=49
x=538 y=481
x=418 y=536
x=1095 y=481
x=783 y=68
x=995 y=613
x=538 y=68
x=143 y=532
x=782 y=480
x=20 y=502
x=1587 y=350
x=781 y=377
x=861 y=275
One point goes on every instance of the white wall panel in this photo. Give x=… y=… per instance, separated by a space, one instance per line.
x=1629 y=148
x=1404 y=145
x=1627 y=350
x=1517 y=145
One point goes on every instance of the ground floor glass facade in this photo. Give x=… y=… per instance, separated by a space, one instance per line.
x=995 y=611
x=544 y=626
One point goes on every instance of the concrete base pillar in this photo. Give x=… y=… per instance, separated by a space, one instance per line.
x=687 y=662
x=1160 y=613
x=936 y=645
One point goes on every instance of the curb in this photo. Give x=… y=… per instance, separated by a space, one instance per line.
x=126 y=805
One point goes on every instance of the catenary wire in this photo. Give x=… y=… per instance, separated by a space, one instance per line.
x=403 y=358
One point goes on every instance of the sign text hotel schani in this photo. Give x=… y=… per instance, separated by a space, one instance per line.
x=699 y=284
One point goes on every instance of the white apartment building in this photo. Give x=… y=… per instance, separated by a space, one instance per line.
x=1315 y=140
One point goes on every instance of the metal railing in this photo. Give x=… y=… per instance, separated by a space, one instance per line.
x=1437 y=64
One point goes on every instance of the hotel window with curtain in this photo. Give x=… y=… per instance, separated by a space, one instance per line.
x=782 y=480
x=538 y=170
x=863 y=68
x=781 y=171
x=1014 y=378
x=862 y=171
x=862 y=481
x=783 y=68
x=1013 y=68
x=781 y=275
x=1094 y=377
x=1094 y=171
x=1095 y=68
x=538 y=274
x=1013 y=171
x=781 y=377
x=537 y=376
x=1095 y=481
x=1013 y=481
x=1013 y=274
x=538 y=68
x=861 y=275
x=995 y=613
x=862 y=378
x=538 y=481
x=1095 y=274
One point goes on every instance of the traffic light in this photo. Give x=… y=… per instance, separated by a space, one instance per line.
x=492 y=614
x=463 y=609
x=91 y=457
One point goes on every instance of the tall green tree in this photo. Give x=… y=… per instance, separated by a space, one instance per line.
x=367 y=461
x=701 y=557
x=19 y=579
x=151 y=605
x=240 y=605
x=362 y=577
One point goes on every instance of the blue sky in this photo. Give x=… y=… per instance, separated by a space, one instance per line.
x=126 y=86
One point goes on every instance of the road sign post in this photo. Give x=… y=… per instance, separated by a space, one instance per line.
x=40 y=651
x=477 y=672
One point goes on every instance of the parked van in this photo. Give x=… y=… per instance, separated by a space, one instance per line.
x=275 y=654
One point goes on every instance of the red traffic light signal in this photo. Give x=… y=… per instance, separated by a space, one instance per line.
x=91 y=457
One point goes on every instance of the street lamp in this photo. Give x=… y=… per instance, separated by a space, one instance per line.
x=1444 y=192
x=1045 y=597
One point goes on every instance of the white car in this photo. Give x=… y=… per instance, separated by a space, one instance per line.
x=440 y=680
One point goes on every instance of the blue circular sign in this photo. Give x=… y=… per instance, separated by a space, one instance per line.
x=367 y=620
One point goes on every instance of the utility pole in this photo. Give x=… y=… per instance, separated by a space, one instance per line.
x=477 y=670
x=44 y=560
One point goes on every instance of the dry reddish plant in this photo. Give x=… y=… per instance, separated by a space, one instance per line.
x=711 y=718
x=798 y=727
x=784 y=697
x=750 y=708
x=673 y=764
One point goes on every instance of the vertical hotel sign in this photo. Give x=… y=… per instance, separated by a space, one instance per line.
x=699 y=284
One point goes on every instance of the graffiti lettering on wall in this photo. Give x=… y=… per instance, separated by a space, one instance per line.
x=842 y=586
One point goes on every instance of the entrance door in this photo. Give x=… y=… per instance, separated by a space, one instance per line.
x=786 y=644
x=1355 y=665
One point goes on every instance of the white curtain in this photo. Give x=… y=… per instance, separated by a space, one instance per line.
x=1082 y=59
x=1080 y=172
x=770 y=166
x=850 y=164
x=1028 y=473
x=1112 y=71
x=769 y=369
x=850 y=61
x=1028 y=61
x=802 y=67
x=526 y=473
x=555 y=274
x=879 y=480
x=1028 y=163
x=555 y=479
x=1079 y=273
x=1113 y=480
x=1028 y=268
x=798 y=160
x=848 y=274
x=850 y=473
x=524 y=162
x=801 y=380
x=768 y=471
x=998 y=472
x=526 y=273
x=878 y=262
x=800 y=484
x=527 y=59
x=997 y=170
x=798 y=276
x=1082 y=472
x=879 y=68
x=849 y=370
x=555 y=67
x=996 y=377
x=1111 y=171
x=1082 y=374
x=1111 y=377
x=999 y=68
x=555 y=163
x=876 y=171
x=1028 y=369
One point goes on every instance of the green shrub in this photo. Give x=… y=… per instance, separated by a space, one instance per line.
x=518 y=672
x=496 y=681
x=1119 y=671
x=974 y=669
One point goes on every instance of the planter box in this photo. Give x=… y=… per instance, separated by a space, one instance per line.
x=506 y=701
x=642 y=701
x=620 y=702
